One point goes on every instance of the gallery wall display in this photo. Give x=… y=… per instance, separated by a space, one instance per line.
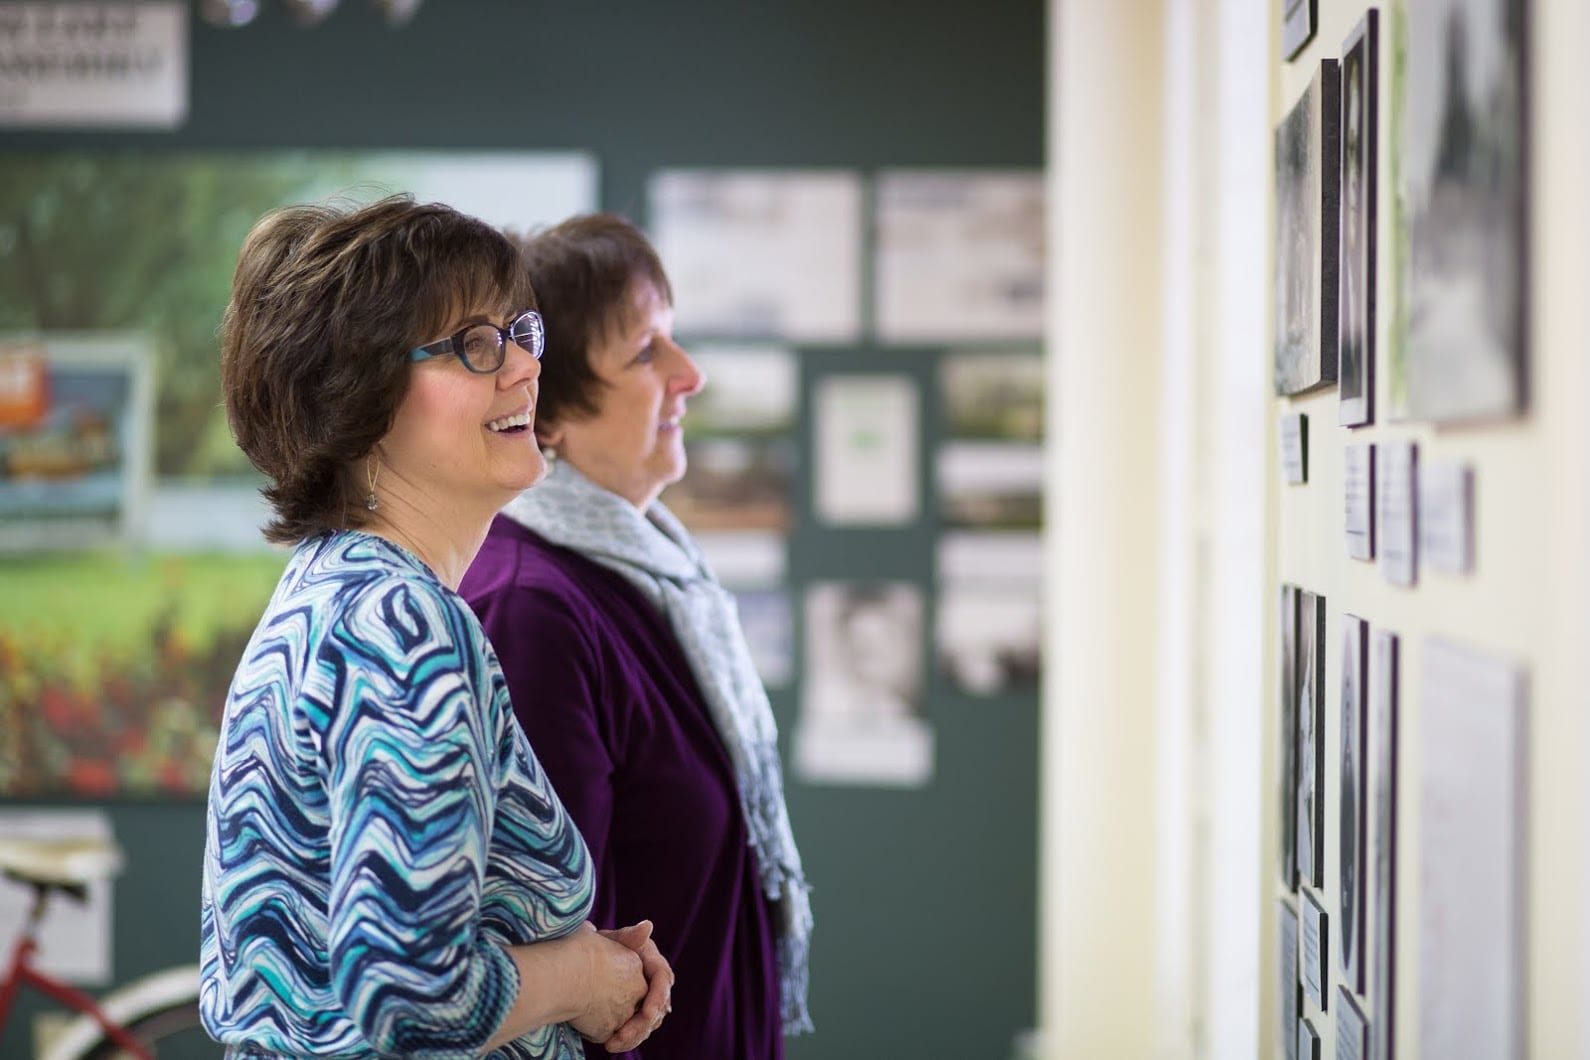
x=865 y=465
x=1350 y=875
x=1310 y=801
x=1360 y=110
x=1307 y=175
x=1472 y=821
x=1464 y=179
x=1383 y=691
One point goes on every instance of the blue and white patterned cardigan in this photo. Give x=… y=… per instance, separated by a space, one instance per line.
x=378 y=826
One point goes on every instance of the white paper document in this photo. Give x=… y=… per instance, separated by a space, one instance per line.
x=1446 y=516
x=1472 y=832
x=960 y=256
x=1396 y=506
x=1294 y=447
x=761 y=254
x=1358 y=486
x=866 y=468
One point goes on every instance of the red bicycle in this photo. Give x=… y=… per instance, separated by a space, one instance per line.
x=152 y=1018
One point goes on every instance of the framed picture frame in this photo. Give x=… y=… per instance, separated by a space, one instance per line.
x=1299 y=19
x=1310 y=802
x=1385 y=677
x=1352 y=1029
x=1307 y=1041
x=76 y=451
x=1315 y=949
x=1286 y=745
x=1355 y=330
x=1463 y=174
x=1307 y=174
x=1350 y=907
x=1289 y=991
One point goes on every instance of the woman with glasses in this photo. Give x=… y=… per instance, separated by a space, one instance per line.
x=627 y=664
x=387 y=869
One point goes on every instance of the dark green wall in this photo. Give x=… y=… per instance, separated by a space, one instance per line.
x=925 y=899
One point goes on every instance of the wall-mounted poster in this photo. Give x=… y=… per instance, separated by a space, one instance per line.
x=739 y=437
x=1472 y=836
x=1383 y=690
x=989 y=471
x=1397 y=509
x=761 y=254
x=959 y=255
x=1358 y=488
x=1463 y=179
x=865 y=472
x=1297 y=25
x=1310 y=804
x=114 y=661
x=1446 y=516
x=1293 y=434
x=1286 y=749
x=988 y=633
x=1307 y=172
x=1286 y=982
x=1360 y=107
x=861 y=700
x=1350 y=851
x=75 y=443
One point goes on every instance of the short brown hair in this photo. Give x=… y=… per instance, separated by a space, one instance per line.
x=583 y=270
x=326 y=303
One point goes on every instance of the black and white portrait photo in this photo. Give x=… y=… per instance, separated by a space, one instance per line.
x=1307 y=172
x=1350 y=856
x=1310 y=739
x=1356 y=304
x=1464 y=179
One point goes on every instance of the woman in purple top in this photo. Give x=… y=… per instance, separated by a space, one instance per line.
x=627 y=665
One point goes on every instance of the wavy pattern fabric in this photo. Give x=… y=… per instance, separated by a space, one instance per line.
x=378 y=826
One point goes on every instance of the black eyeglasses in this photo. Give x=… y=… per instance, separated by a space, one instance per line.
x=484 y=347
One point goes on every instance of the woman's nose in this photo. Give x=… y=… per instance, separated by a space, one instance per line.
x=689 y=378
x=519 y=367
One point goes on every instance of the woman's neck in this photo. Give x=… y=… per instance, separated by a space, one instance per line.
x=438 y=534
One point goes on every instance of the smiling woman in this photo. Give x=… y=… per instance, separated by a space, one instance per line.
x=387 y=870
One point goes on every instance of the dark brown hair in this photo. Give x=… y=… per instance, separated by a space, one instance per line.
x=583 y=271
x=327 y=301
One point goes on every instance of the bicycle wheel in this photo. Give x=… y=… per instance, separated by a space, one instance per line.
x=172 y=1033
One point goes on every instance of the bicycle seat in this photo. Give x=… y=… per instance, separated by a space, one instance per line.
x=70 y=863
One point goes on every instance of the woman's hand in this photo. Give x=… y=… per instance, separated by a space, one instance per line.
x=659 y=988
x=615 y=983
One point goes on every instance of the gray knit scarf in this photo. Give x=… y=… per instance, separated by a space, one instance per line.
x=654 y=553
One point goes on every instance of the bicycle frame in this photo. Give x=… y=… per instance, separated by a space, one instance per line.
x=23 y=973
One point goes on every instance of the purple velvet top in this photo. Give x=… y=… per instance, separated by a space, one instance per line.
x=603 y=690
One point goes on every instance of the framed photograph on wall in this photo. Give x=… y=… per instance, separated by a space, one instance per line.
x=1463 y=179
x=1310 y=803
x=1286 y=747
x=1307 y=172
x=1288 y=991
x=1360 y=107
x=1350 y=855
x=1352 y=1030
x=1298 y=23
x=1383 y=689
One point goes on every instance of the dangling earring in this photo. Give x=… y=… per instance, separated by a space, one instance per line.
x=550 y=454
x=372 y=471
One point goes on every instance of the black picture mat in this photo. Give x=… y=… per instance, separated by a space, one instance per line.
x=1360 y=110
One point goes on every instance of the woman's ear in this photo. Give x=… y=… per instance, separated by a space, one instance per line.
x=548 y=433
